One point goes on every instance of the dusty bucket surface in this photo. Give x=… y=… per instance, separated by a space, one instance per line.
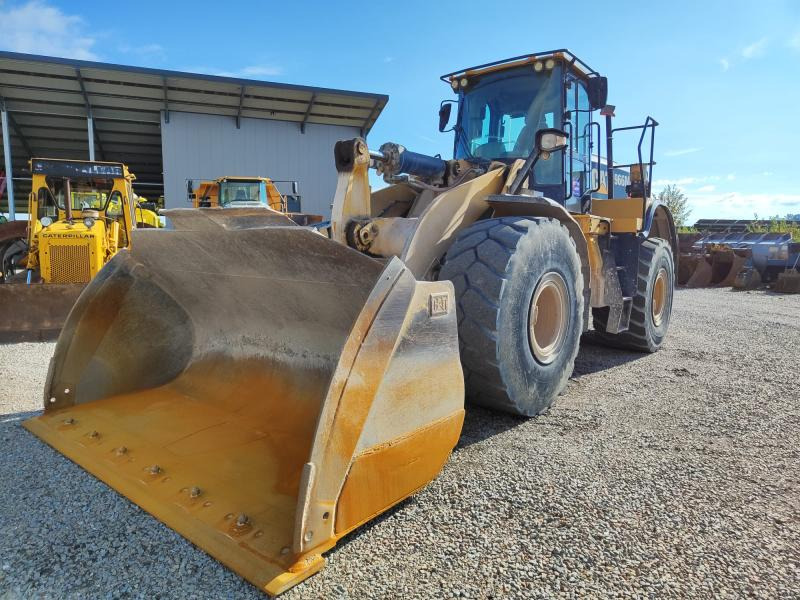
x=261 y=391
x=36 y=312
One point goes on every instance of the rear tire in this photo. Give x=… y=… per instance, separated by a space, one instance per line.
x=519 y=294
x=652 y=304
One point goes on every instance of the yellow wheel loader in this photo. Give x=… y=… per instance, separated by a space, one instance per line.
x=80 y=215
x=231 y=192
x=292 y=386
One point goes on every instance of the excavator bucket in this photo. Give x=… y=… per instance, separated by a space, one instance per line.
x=263 y=391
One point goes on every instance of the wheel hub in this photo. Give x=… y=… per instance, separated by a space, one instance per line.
x=659 y=299
x=548 y=318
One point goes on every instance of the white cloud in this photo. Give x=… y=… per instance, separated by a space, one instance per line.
x=755 y=49
x=794 y=41
x=249 y=72
x=686 y=181
x=731 y=176
x=260 y=71
x=681 y=151
x=142 y=49
x=678 y=182
x=39 y=28
x=706 y=189
x=736 y=205
x=725 y=64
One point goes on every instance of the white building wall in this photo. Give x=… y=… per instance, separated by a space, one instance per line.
x=197 y=146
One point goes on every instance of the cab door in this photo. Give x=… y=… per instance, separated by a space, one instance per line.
x=578 y=161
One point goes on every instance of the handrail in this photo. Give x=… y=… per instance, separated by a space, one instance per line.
x=649 y=123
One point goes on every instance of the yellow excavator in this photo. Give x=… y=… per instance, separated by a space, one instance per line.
x=81 y=214
x=292 y=386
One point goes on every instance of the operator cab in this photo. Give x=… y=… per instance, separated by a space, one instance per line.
x=501 y=107
x=242 y=193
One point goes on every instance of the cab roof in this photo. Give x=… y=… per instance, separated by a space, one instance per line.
x=562 y=54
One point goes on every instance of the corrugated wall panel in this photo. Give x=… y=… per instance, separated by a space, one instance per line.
x=197 y=146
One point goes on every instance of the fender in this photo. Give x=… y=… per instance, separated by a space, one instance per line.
x=658 y=223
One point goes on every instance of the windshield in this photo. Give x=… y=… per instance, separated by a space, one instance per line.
x=85 y=194
x=240 y=191
x=500 y=115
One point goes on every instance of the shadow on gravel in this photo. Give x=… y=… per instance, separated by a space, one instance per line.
x=593 y=357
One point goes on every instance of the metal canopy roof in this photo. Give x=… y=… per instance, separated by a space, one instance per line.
x=48 y=100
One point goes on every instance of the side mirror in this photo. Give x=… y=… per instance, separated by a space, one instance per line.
x=549 y=141
x=444 y=114
x=598 y=92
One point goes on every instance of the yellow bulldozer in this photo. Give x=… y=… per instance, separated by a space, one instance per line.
x=81 y=214
x=292 y=386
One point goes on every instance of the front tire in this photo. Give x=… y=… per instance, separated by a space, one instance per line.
x=519 y=294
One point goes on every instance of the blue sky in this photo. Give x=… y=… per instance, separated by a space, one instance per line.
x=722 y=78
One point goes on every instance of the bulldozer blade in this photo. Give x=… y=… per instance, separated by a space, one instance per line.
x=36 y=312
x=261 y=391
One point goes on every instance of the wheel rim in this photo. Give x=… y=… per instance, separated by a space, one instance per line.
x=659 y=300
x=548 y=318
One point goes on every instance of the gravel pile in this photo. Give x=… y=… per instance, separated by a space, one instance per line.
x=674 y=474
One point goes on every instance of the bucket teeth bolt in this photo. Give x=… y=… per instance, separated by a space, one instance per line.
x=195 y=492
x=155 y=470
x=242 y=520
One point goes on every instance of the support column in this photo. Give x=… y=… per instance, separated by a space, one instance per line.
x=90 y=131
x=12 y=213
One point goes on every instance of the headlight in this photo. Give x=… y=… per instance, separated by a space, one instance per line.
x=549 y=63
x=464 y=82
x=454 y=84
x=89 y=222
x=46 y=221
x=538 y=66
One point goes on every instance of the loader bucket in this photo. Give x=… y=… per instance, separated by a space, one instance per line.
x=747 y=279
x=262 y=391
x=729 y=269
x=788 y=282
x=701 y=277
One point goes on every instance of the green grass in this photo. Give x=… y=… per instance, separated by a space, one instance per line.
x=777 y=225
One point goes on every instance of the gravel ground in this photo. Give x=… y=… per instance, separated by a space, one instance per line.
x=674 y=474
